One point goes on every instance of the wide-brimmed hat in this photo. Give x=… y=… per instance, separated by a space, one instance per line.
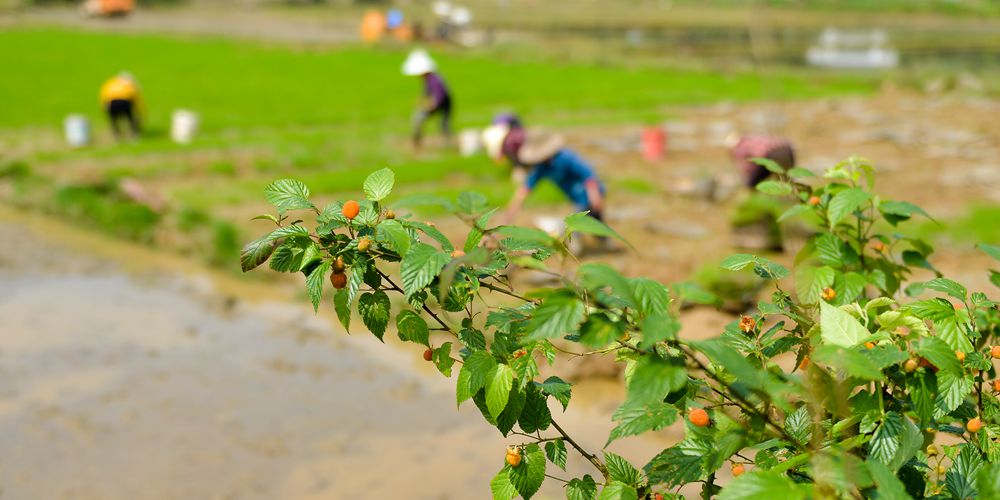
x=539 y=146
x=419 y=62
x=493 y=137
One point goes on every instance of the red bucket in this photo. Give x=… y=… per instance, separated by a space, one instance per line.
x=654 y=144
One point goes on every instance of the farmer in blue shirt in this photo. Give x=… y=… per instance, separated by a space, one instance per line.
x=545 y=157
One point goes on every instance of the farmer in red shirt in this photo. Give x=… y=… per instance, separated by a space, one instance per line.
x=744 y=149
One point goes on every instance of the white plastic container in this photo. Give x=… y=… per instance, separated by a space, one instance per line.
x=469 y=142
x=76 y=128
x=183 y=126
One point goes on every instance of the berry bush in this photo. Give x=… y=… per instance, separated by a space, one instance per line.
x=853 y=380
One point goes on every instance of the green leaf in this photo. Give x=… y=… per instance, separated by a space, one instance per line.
x=314 y=283
x=598 y=276
x=810 y=282
x=845 y=202
x=618 y=491
x=559 y=314
x=898 y=211
x=962 y=475
x=582 y=223
x=953 y=387
x=581 y=489
x=535 y=415
x=527 y=477
x=911 y=440
x=374 y=311
x=834 y=252
x=799 y=172
x=555 y=451
x=288 y=194
x=769 y=164
x=392 y=235
x=651 y=297
x=679 y=464
x=652 y=379
x=989 y=481
x=620 y=469
x=600 y=330
x=379 y=184
x=945 y=285
x=476 y=233
x=657 y=328
x=882 y=448
x=921 y=396
x=840 y=328
x=738 y=262
x=342 y=305
x=471 y=203
x=420 y=266
x=850 y=361
x=473 y=375
x=498 y=384
x=557 y=388
x=501 y=486
x=953 y=334
x=412 y=328
x=794 y=211
x=762 y=484
x=256 y=253
x=432 y=232
x=991 y=250
x=939 y=354
x=354 y=281
x=442 y=359
x=798 y=424
x=634 y=420
x=775 y=188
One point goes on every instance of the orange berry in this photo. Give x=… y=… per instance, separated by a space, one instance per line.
x=457 y=253
x=911 y=365
x=960 y=355
x=973 y=425
x=878 y=246
x=657 y=497
x=389 y=214
x=363 y=244
x=996 y=385
x=350 y=209
x=699 y=417
x=738 y=470
x=829 y=294
x=995 y=351
x=519 y=353
x=338 y=280
x=513 y=456
x=869 y=345
x=813 y=200
x=747 y=324
x=804 y=363
x=428 y=354
x=338 y=264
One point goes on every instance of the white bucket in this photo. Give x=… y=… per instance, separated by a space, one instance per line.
x=183 y=126
x=76 y=128
x=469 y=142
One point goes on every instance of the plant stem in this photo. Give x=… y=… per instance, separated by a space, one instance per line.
x=426 y=309
x=589 y=456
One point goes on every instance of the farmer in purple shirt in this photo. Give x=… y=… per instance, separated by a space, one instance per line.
x=436 y=98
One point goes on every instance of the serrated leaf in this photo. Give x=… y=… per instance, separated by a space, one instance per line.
x=498 y=384
x=898 y=211
x=256 y=253
x=657 y=328
x=581 y=489
x=618 y=491
x=595 y=276
x=374 y=311
x=799 y=172
x=651 y=296
x=412 y=328
x=848 y=360
x=840 y=328
x=557 y=388
x=794 y=211
x=620 y=469
x=421 y=264
x=379 y=184
x=738 y=262
x=953 y=334
x=314 y=283
x=288 y=194
x=810 y=282
x=798 y=424
x=775 y=188
x=952 y=389
x=845 y=202
x=342 y=305
x=634 y=420
x=559 y=314
x=470 y=202
x=442 y=359
x=762 y=484
x=392 y=235
x=555 y=451
x=884 y=443
x=991 y=250
x=473 y=375
x=950 y=287
x=501 y=486
x=432 y=232
x=600 y=330
x=535 y=415
x=939 y=354
x=769 y=164
x=679 y=464
x=582 y=223
x=527 y=477
x=652 y=379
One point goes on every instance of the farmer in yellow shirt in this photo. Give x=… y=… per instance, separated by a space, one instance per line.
x=121 y=99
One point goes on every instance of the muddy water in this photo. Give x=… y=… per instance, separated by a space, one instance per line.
x=121 y=380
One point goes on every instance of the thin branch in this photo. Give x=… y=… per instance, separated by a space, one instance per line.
x=589 y=456
x=426 y=309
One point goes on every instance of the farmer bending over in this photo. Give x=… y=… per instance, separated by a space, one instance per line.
x=545 y=157
x=743 y=149
x=121 y=100
x=436 y=98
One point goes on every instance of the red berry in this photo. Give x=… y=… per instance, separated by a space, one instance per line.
x=338 y=280
x=428 y=354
